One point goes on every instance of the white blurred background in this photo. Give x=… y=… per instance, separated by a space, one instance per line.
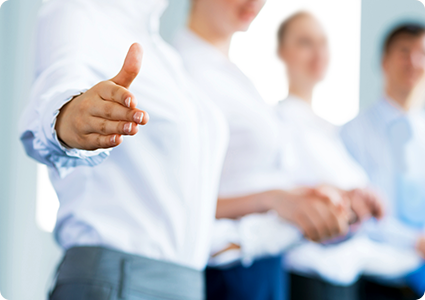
x=337 y=97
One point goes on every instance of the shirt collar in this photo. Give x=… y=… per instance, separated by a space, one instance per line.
x=305 y=113
x=389 y=111
x=199 y=48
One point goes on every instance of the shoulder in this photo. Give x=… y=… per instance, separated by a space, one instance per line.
x=418 y=120
x=364 y=122
x=359 y=132
x=61 y=8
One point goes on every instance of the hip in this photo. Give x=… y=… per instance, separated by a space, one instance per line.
x=99 y=273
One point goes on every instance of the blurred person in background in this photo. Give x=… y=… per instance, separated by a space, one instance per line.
x=314 y=154
x=136 y=211
x=246 y=260
x=388 y=140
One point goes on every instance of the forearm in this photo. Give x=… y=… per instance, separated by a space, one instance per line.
x=236 y=207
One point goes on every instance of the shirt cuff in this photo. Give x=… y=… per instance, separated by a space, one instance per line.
x=225 y=233
x=266 y=235
x=64 y=158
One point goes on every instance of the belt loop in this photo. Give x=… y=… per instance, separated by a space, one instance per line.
x=124 y=278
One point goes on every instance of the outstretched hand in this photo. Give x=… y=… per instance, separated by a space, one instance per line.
x=99 y=117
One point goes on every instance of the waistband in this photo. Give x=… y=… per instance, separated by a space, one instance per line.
x=131 y=273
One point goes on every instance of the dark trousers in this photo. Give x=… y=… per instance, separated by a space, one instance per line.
x=263 y=280
x=370 y=290
x=306 y=288
x=416 y=281
x=414 y=288
x=96 y=273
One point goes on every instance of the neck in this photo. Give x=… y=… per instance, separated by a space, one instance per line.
x=211 y=34
x=401 y=97
x=302 y=91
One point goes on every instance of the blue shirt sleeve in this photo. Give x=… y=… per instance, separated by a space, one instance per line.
x=356 y=136
x=40 y=139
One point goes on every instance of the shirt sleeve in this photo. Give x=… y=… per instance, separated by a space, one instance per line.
x=266 y=235
x=390 y=230
x=351 y=137
x=63 y=71
x=393 y=232
x=258 y=235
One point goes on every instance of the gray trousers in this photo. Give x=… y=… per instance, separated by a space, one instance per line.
x=96 y=273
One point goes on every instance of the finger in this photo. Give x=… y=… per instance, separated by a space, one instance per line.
x=343 y=221
x=330 y=194
x=323 y=194
x=308 y=227
x=116 y=112
x=110 y=91
x=327 y=220
x=360 y=207
x=131 y=67
x=107 y=127
x=339 y=221
x=97 y=141
x=320 y=224
x=378 y=209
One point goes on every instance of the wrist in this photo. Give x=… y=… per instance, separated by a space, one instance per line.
x=60 y=124
x=282 y=202
x=271 y=200
x=59 y=127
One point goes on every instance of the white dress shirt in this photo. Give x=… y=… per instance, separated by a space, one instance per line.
x=390 y=144
x=315 y=154
x=154 y=195
x=253 y=161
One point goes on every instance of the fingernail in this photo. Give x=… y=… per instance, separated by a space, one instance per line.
x=127 y=127
x=138 y=117
x=128 y=101
x=113 y=139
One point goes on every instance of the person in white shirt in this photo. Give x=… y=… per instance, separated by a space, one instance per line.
x=314 y=154
x=136 y=210
x=388 y=140
x=245 y=261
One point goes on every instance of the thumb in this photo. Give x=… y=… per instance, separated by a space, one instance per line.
x=131 y=66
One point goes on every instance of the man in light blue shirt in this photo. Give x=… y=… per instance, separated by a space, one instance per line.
x=388 y=140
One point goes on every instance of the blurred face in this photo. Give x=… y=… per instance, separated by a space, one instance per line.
x=404 y=62
x=305 y=51
x=230 y=15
